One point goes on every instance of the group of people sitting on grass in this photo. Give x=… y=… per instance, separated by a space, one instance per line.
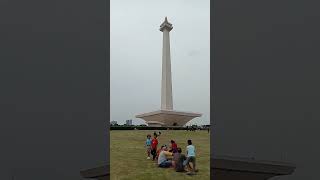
x=172 y=156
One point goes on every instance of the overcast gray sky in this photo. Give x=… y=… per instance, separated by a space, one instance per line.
x=136 y=47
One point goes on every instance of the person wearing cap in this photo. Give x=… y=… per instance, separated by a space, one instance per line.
x=163 y=161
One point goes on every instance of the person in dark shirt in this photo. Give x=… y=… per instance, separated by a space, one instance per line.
x=175 y=158
x=178 y=160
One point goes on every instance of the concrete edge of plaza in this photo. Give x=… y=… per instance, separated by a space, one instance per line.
x=224 y=168
x=229 y=168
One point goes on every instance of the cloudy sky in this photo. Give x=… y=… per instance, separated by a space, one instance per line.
x=136 y=47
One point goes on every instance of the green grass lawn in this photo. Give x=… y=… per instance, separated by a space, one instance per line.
x=128 y=158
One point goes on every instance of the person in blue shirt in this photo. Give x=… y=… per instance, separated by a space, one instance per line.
x=148 y=145
x=191 y=157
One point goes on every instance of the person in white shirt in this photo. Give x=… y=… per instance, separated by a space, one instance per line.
x=163 y=160
x=191 y=157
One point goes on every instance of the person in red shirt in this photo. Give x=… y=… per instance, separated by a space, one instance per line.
x=174 y=146
x=154 y=144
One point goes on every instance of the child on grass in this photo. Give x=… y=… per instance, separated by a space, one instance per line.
x=191 y=157
x=174 y=146
x=154 y=144
x=148 y=145
x=177 y=161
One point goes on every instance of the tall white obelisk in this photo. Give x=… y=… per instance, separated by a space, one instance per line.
x=166 y=116
x=166 y=83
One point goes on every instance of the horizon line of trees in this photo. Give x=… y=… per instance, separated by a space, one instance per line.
x=174 y=124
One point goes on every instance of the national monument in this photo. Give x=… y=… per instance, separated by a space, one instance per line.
x=166 y=116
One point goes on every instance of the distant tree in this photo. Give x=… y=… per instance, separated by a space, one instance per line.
x=175 y=124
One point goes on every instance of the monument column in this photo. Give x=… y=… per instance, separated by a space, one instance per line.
x=166 y=82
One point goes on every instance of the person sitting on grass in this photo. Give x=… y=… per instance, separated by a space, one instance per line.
x=163 y=161
x=159 y=150
x=154 y=144
x=148 y=145
x=191 y=158
x=174 y=147
x=177 y=161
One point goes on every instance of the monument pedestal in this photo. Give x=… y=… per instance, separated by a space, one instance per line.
x=167 y=118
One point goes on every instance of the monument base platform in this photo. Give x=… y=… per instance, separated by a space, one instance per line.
x=167 y=118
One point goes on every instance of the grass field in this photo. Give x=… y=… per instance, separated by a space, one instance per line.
x=129 y=161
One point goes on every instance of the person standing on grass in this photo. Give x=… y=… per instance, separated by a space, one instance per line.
x=191 y=157
x=154 y=144
x=148 y=145
x=163 y=161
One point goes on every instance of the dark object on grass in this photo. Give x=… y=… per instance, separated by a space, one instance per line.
x=224 y=168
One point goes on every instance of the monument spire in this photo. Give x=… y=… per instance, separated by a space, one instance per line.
x=166 y=82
